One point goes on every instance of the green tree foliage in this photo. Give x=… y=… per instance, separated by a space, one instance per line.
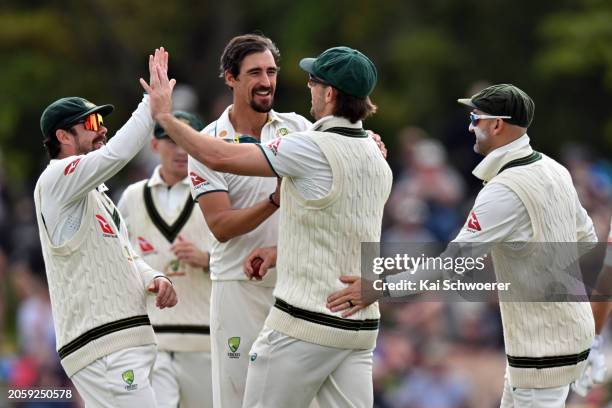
x=427 y=53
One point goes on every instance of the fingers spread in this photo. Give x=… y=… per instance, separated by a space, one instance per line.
x=145 y=86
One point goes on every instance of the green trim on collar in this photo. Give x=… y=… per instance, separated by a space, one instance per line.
x=345 y=131
x=523 y=161
x=169 y=231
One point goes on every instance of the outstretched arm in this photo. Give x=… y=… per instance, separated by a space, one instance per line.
x=243 y=159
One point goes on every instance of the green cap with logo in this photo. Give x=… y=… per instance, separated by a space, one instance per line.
x=345 y=69
x=504 y=100
x=66 y=112
x=189 y=118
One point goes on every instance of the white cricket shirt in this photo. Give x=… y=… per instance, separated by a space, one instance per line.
x=226 y=258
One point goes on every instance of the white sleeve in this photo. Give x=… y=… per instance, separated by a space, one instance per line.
x=83 y=173
x=146 y=272
x=204 y=180
x=295 y=156
x=496 y=215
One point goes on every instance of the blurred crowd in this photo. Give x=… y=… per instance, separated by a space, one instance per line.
x=429 y=354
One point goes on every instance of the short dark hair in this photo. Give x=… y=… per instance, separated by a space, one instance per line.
x=52 y=145
x=353 y=108
x=239 y=47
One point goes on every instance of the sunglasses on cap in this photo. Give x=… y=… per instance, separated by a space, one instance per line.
x=92 y=122
x=313 y=80
x=474 y=118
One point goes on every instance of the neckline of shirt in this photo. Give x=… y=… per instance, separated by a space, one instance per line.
x=491 y=164
x=330 y=121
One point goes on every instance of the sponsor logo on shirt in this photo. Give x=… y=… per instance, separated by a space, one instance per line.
x=145 y=246
x=273 y=145
x=107 y=230
x=71 y=167
x=196 y=180
x=473 y=225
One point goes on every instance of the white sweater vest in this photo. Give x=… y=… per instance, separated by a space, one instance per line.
x=97 y=293
x=320 y=240
x=184 y=327
x=547 y=342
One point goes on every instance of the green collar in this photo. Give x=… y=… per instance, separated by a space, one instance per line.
x=345 y=131
x=523 y=161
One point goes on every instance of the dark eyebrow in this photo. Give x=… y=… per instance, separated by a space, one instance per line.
x=253 y=70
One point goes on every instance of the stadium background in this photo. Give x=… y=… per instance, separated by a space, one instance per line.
x=428 y=54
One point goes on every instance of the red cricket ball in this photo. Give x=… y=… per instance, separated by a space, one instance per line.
x=256 y=264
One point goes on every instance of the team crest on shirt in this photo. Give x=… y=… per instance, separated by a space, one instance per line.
x=473 y=225
x=107 y=229
x=146 y=248
x=128 y=378
x=172 y=268
x=196 y=180
x=273 y=145
x=234 y=345
x=71 y=167
x=282 y=132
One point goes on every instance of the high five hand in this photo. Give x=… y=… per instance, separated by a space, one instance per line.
x=159 y=87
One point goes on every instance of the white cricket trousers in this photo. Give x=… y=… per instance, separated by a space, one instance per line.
x=533 y=397
x=238 y=310
x=182 y=377
x=287 y=372
x=119 y=380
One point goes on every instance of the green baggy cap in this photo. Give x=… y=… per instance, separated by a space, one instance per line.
x=66 y=112
x=189 y=118
x=344 y=68
x=504 y=100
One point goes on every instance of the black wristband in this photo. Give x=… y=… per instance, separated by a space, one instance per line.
x=272 y=200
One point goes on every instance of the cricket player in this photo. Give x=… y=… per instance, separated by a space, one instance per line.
x=241 y=211
x=335 y=185
x=528 y=198
x=97 y=283
x=171 y=236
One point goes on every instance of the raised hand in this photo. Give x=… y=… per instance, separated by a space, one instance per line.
x=159 y=87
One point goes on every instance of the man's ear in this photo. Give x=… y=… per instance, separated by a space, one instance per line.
x=330 y=94
x=230 y=80
x=155 y=145
x=499 y=126
x=63 y=136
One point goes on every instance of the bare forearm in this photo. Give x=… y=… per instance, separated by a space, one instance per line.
x=204 y=149
x=601 y=311
x=229 y=224
x=218 y=155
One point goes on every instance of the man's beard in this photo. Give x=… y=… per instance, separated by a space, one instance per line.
x=261 y=108
x=96 y=144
